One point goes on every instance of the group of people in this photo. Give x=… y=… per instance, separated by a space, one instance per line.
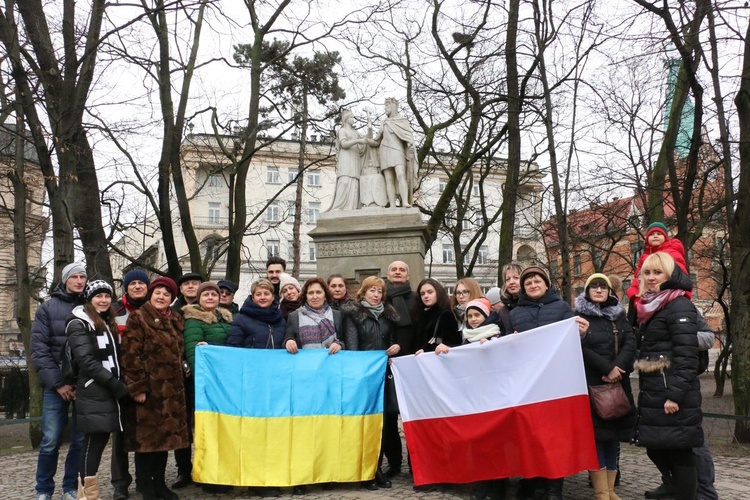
x=135 y=358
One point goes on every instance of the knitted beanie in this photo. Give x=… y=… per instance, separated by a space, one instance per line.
x=531 y=270
x=94 y=288
x=166 y=282
x=481 y=304
x=494 y=295
x=657 y=226
x=133 y=275
x=208 y=285
x=288 y=279
x=70 y=270
x=598 y=276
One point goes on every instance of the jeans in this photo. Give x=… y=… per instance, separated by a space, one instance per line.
x=54 y=420
x=607 y=453
x=704 y=462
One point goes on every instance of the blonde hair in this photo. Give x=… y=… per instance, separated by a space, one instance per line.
x=510 y=266
x=475 y=291
x=367 y=283
x=656 y=261
x=264 y=283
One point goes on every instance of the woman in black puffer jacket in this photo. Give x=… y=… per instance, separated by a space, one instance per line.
x=669 y=403
x=539 y=305
x=371 y=326
x=608 y=356
x=92 y=336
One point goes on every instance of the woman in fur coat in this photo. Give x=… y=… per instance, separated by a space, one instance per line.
x=152 y=358
x=669 y=422
x=608 y=355
x=371 y=326
x=93 y=340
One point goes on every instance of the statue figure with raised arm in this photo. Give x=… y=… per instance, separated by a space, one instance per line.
x=398 y=159
x=351 y=152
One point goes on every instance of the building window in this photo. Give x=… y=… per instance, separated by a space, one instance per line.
x=313 y=254
x=293 y=174
x=483 y=255
x=290 y=251
x=598 y=261
x=577 y=264
x=553 y=269
x=273 y=247
x=636 y=250
x=475 y=188
x=273 y=214
x=214 y=213
x=272 y=175
x=448 y=256
x=291 y=211
x=313 y=212
x=442 y=184
x=215 y=180
x=313 y=177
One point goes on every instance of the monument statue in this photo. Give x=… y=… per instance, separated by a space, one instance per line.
x=351 y=149
x=374 y=171
x=398 y=159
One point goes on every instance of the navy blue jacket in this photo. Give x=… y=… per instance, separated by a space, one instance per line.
x=258 y=328
x=48 y=335
x=529 y=314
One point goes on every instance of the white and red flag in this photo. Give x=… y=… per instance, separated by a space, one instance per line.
x=514 y=406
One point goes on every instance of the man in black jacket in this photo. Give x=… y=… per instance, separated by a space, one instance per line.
x=47 y=339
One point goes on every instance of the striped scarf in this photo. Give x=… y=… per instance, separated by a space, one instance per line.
x=316 y=329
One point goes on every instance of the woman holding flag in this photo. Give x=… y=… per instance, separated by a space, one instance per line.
x=371 y=326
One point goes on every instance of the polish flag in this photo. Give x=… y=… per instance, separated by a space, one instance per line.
x=513 y=406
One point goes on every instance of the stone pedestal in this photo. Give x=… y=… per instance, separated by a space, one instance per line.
x=360 y=243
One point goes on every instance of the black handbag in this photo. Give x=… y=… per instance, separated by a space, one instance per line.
x=391 y=400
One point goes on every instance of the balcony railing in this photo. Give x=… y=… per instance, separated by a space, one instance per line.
x=211 y=222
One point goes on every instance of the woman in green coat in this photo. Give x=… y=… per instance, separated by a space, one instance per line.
x=205 y=323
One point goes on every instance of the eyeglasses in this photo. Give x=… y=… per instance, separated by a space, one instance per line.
x=462 y=293
x=598 y=286
x=224 y=291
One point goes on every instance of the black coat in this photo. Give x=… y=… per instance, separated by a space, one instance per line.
x=364 y=332
x=402 y=298
x=599 y=359
x=48 y=335
x=99 y=387
x=529 y=313
x=438 y=323
x=668 y=369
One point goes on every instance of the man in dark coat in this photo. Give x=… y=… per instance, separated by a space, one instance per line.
x=227 y=289
x=47 y=338
x=399 y=295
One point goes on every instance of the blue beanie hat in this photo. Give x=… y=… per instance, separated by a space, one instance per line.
x=135 y=274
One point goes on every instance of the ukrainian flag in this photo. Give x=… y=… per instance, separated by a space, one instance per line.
x=270 y=418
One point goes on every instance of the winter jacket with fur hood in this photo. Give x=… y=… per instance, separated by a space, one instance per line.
x=48 y=335
x=599 y=359
x=364 y=332
x=96 y=352
x=152 y=354
x=668 y=369
x=203 y=326
x=529 y=313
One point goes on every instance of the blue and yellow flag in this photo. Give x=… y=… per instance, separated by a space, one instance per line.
x=270 y=418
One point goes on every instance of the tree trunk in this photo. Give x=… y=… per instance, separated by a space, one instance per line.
x=296 y=244
x=740 y=244
x=513 y=167
x=560 y=207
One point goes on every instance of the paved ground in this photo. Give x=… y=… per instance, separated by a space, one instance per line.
x=732 y=481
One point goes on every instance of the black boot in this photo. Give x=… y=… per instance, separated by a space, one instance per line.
x=160 y=487
x=555 y=489
x=381 y=480
x=527 y=488
x=685 y=483
x=145 y=487
x=498 y=488
x=663 y=492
